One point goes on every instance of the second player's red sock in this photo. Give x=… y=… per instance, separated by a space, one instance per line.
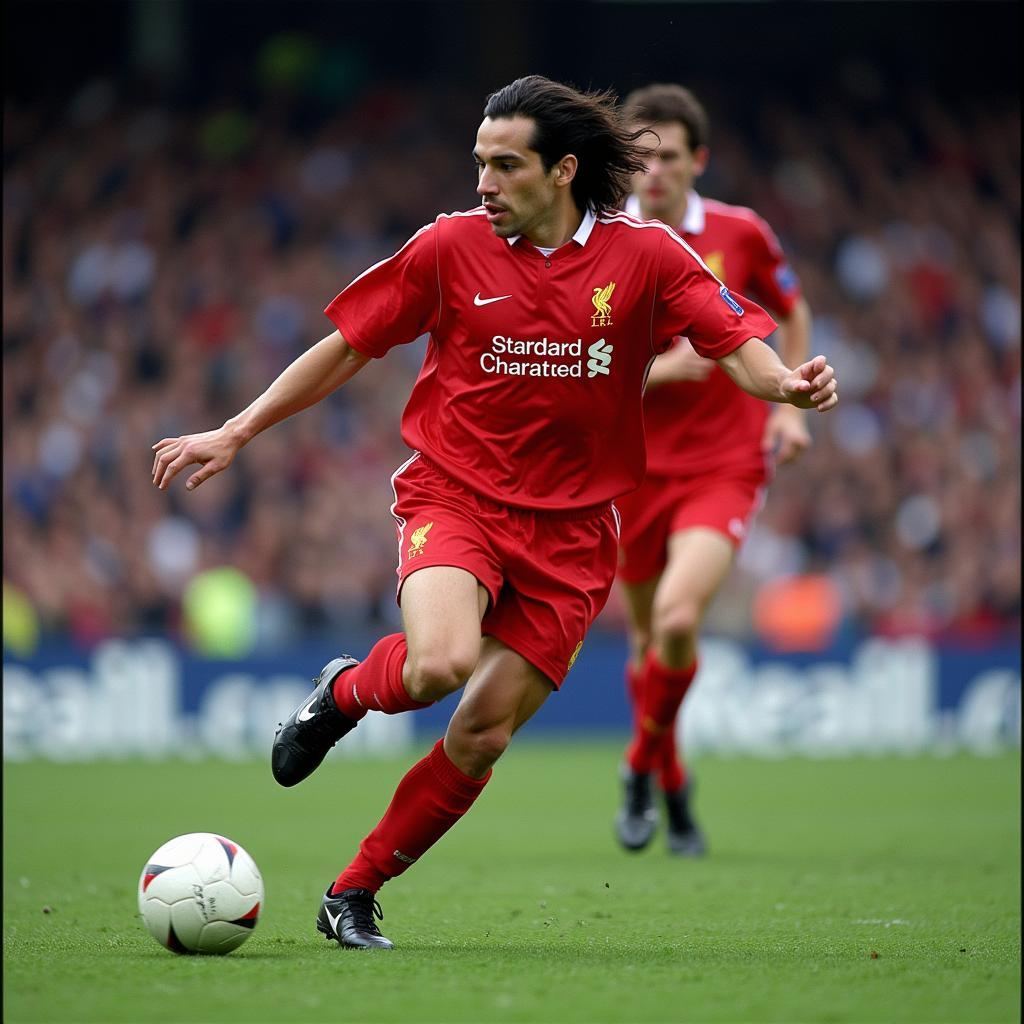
x=634 y=691
x=433 y=796
x=663 y=692
x=671 y=770
x=376 y=683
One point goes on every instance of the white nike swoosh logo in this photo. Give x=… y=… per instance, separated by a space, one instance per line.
x=307 y=712
x=333 y=920
x=477 y=301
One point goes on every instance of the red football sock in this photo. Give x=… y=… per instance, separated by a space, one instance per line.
x=634 y=691
x=663 y=692
x=433 y=796
x=671 y=770
x=376 y=683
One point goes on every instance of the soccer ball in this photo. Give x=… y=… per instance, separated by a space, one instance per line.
x=200 y=893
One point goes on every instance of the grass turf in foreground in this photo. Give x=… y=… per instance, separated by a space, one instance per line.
x=528 y=911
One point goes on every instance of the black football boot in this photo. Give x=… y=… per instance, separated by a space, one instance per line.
x=349 y=919
x=684 y=835
x=636 y=821
x=304 y=738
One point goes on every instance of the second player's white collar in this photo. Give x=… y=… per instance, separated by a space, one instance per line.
x=581 y=236
x=693 y=220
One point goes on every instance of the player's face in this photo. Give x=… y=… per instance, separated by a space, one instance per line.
x=516 y=192
x=671 y=171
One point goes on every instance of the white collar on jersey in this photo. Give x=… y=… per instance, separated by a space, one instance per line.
x=582 y=232
x=693 y=220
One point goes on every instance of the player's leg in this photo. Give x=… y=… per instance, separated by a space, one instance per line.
x=442 y=607
x=639 y=601
x=448 y=568
x=441 y=610
x=637 y=818
x=532 y=633
x=699 y=561
x=503 y=692
x=643 y=544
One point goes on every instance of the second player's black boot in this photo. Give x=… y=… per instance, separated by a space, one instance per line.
x=636 y=821
x=684 y=835
x=304 y=738
x=349 y=919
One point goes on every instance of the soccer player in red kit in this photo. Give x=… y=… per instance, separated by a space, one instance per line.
x=544 y=307
x=709 y=449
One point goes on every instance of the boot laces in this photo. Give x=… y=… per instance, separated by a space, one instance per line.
x=362 y=907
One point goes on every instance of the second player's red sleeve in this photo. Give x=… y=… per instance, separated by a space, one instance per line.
x=772 y=278
x=691 y=301
x=395 y=301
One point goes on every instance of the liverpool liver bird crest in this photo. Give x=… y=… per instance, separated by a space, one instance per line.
x=603 y=315
x=418 y=539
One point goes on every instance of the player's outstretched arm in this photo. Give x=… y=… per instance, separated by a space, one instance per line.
x=756 y=368
x=313 y=376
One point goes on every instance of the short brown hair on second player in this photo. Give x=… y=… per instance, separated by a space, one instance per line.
x=664 y=102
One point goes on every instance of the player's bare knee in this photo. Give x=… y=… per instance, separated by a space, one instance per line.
x=481 y=748
x=431 y=677
x=677 y=623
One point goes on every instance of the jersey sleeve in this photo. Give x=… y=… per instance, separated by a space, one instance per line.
x=772 y=278
x=691 y=301
x=395 y=301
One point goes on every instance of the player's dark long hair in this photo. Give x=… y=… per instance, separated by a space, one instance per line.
x=587 y=124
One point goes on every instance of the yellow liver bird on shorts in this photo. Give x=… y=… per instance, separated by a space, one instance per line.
x=418 y=539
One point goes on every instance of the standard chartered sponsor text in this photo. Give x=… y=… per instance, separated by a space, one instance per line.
x=550 y=358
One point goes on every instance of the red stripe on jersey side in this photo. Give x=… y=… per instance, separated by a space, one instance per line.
x=399 y=521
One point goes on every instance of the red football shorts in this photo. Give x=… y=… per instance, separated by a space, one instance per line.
x=662 y=506
x=548 y=574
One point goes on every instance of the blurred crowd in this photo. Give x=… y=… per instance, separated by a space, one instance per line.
x=162 y=264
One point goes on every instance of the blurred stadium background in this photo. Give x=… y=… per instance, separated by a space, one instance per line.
x=185 y=192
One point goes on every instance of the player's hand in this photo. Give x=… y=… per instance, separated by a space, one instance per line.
x=812 y=385
x=786 y=435
x=213 y=450
x=681 y=362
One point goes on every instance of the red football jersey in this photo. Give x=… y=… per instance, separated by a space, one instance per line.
x=531 y=389
x=694 y=426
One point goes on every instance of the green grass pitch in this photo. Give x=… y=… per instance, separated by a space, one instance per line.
x=853 y=890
